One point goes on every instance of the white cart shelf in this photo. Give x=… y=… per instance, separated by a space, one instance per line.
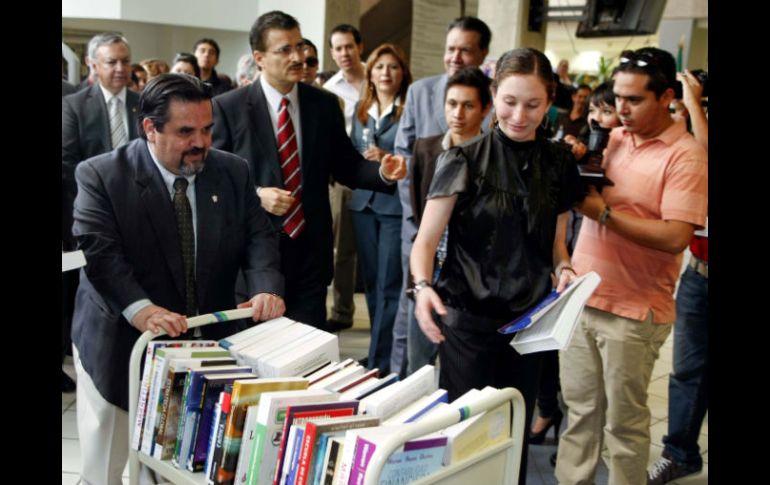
x=496 y=465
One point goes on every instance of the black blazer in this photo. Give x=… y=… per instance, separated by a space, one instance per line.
x=242 y=126
x=85 y=133
x=125 y=225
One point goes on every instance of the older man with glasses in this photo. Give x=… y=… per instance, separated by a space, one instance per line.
x=633 y=235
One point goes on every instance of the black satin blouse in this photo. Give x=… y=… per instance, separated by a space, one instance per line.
x=501 y=232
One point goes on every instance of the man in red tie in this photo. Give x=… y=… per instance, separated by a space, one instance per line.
x=293 y=135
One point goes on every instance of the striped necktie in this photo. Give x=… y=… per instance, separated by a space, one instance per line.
x=288 y=154
x=118 y=133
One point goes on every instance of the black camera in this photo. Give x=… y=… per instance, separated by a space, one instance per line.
x=590 y=166
x=702 y=77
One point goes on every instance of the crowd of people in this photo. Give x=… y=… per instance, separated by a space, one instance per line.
x=457 y=196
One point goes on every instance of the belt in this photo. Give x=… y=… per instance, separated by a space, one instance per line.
x=700 y=266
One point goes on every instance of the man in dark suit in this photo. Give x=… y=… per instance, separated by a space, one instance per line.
x=87 y=132
x=165 y=223
x=252 y=120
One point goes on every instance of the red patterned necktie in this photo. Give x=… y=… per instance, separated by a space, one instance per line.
x=288 y=153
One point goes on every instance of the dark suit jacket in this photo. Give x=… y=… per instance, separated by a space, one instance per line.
x=125 y=225
x=384 y=137
x=242 y=126
x=85 y=133
x=422 y=166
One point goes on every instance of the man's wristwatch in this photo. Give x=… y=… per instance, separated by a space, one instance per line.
x=605 y=215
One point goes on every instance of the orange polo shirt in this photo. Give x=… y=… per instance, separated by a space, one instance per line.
x=663 y=178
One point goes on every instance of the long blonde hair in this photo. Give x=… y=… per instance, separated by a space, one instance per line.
x=370 y=94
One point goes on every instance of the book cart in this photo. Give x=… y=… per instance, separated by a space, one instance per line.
x=498 y=464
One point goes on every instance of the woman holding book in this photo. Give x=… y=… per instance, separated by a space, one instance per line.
x=505 y=198
x=377 y=216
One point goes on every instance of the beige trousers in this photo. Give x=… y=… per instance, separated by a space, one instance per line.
x=102 y=432
x=605 y=372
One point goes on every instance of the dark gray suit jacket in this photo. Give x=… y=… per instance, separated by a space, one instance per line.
x=85 y=133
x=125 y=225
x=242 y=126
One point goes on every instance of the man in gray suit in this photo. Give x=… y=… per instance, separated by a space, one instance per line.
x=86 y=131
x=165 y=222
x=467 y=44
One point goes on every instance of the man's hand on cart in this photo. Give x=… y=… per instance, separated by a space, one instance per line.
x=153 y=318
x=265 y=306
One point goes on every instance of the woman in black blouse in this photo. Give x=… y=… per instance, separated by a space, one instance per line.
x=505 y=197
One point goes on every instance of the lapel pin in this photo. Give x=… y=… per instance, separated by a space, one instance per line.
x=214 y=198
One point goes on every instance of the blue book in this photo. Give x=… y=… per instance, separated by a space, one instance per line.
x=531 y=316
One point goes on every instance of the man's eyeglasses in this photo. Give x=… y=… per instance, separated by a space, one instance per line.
x=311 y=61
x=288 y=49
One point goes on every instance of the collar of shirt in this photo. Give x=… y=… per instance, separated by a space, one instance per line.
x=446 y=142
x=273 y=98
x=373 y=114
x=669 y=136
x=169 y=177
x=108 y=95
x=168 y=180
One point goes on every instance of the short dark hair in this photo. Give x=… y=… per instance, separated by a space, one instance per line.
x=473 y=24
x=157 y=95
x=189 y=59
x=583 y=86
x=473 y=78
x=268 y=21
x=346 y=29
x=211 y=42
x=603 y=94
x=309 y=43
x=656 y=63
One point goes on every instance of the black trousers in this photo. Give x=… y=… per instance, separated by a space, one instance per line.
x=305 y=290
x=473 y=359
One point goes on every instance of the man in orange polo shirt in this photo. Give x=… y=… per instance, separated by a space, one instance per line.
x=633 y=235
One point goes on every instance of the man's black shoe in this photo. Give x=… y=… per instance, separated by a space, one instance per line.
x=67 y=384
x=336 y=325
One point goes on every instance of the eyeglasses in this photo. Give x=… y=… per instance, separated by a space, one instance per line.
x=288 y=49
x=311 y=61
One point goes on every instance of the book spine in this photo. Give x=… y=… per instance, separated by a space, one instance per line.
x=247 y=444
x=364 y=449
x=144 y=388
x=212 y=441
x=218 y=443
x=148 y=436
x=255 y=469
x=306 y=451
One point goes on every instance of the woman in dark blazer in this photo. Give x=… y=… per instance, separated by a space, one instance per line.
x=377 y=216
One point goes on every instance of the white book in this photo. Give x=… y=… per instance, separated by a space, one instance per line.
x=386 y=402
x=244 y=335
x=328 y=371
x=471 y=436
x=322 y=347
x=269 y=342
x=264 y=332
x=341 y=378
x=247 y=441
x=72 y=260
x=415 y=409
x=281 y=344
x=552 y=328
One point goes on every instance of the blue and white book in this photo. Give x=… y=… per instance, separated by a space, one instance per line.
x=552 y=327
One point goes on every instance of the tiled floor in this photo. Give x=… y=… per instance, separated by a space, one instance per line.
x=355 y=342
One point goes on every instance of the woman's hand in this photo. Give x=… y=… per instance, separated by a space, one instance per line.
x=374 y=153
x=427 y=301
